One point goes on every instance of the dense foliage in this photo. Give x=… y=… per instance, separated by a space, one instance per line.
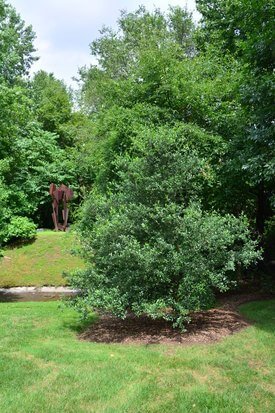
x=152 y=247
x=19 y=228
x=244 y=30
x=163 y=227
x=53 y=105
x=171 y=150
x=16 y=39
x=31 y=156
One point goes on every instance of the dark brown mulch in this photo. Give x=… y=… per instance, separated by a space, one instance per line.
x=205 y=327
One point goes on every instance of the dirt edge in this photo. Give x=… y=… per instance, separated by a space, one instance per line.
x=206 y=326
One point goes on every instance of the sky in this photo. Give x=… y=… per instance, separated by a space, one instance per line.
x=65 y=28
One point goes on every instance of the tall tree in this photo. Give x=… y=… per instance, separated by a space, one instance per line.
x=245 y=30
x=162 y=127
x=149 y=75
x=29 y=156
x=53 y=104
x=16 y=45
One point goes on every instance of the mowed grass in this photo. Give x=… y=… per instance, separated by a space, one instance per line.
x=45 y=368
x=41 y=262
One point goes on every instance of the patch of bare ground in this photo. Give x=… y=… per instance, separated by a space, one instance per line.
x=205 y=327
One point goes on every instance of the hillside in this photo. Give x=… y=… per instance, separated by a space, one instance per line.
x=41 y=262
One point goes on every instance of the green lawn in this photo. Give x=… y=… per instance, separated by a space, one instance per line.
x=44 y=368
x=41 y=262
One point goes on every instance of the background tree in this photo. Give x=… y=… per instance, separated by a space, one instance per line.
x=151 y=247
x=16 y=39
x=154 y=228
x=244 y=30
x=147 y=76
x=53 y=105
x=29 y=156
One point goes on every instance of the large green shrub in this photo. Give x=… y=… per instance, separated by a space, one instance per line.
x=19 y=228
x=151 y=247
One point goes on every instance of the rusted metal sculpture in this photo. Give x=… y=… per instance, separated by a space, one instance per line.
x=63 y=195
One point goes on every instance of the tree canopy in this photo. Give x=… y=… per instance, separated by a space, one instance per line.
x=174 y=162
x=17 y=49
x=168 y=145
x=30 y=153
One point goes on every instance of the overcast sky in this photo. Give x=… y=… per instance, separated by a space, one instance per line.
x=65 y=28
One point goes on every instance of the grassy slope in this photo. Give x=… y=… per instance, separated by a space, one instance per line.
x=39 y=263
x=43 y=367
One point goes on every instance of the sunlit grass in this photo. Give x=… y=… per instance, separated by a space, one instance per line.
x=45 y=368
x=41 y=262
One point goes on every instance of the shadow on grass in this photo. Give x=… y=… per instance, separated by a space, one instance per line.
x=261 y=314
x=8 y=297
x=79 y=325
x=19 y=244
x=206 y=327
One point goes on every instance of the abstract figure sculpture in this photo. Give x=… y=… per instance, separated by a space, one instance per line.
x=62 y=194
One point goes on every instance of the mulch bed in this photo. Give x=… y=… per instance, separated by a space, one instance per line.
x=205 y=327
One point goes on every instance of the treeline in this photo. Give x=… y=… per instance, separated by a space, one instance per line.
x=37 y=133
x=172 y=150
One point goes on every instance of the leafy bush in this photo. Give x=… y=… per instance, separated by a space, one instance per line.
x=19 y=228
x=151 y=247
